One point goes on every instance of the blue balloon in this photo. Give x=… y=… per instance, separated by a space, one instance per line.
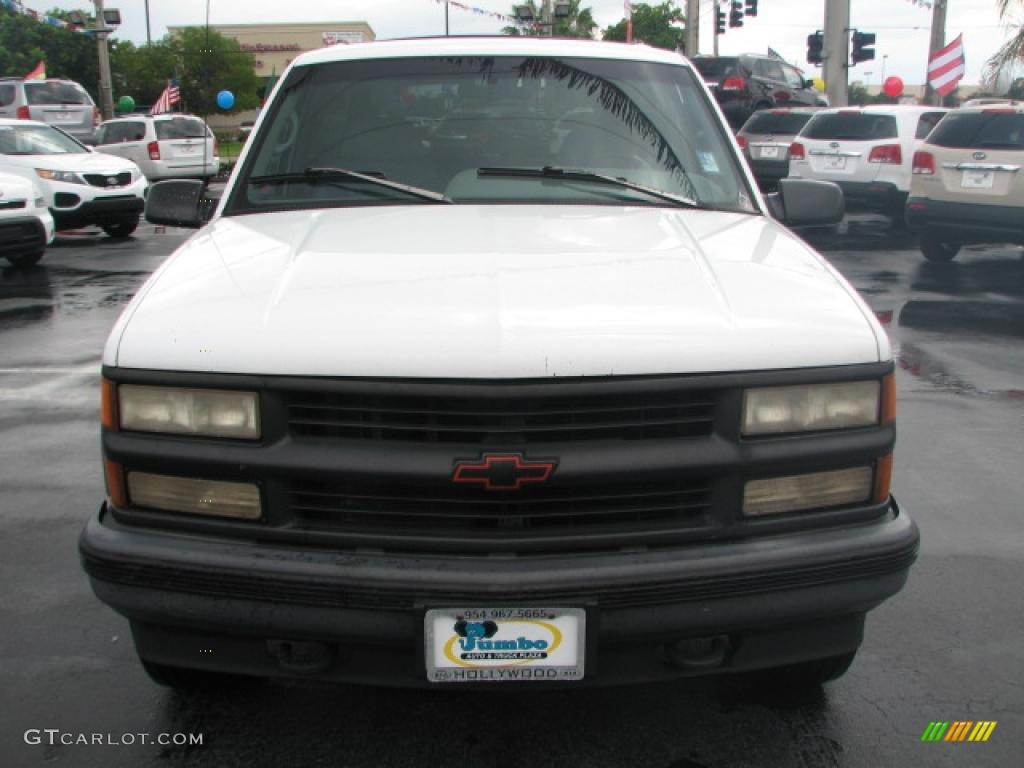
x=225 y=99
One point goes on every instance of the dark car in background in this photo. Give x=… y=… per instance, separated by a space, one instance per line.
x=765 y=140
x=746 y=83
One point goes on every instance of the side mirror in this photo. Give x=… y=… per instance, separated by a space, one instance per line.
x=805 y=203
x=183 y=203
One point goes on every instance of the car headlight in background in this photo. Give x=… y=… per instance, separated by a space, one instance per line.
x=815 y=407
x=180 y=411
x=66 y=176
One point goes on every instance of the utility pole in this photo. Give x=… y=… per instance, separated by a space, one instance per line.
x=149 y=40
x=547 y=19
x=446 y=18
x=938 y=40
x=837 y=51
x=692 y=27
x=715 y=12
x=103 y=54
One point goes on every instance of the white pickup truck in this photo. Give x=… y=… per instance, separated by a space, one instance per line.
x=493 y=366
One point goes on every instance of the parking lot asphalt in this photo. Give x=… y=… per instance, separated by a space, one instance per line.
x=947 y=648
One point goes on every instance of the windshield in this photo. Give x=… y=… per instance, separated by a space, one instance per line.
x=1004 y=130
x=36 y=140
x=55 y=93
x=433 y=123
x=180 y=128
x=851 y=126
x=776 y=122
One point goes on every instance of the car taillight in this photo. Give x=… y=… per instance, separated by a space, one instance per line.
x=97 y=118
x=733 y=84
x=796 y=151
x=742 y=141
x=154 y=150
x=887 y=153
x=924 y=163
x=23 y=114
x=215 y=147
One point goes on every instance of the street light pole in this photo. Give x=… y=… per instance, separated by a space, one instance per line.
x=103 y=55
x=837 y=51
x=149 y=40
x=546 y=18
x=446 y=18
x=693 y=27
x=938 y=40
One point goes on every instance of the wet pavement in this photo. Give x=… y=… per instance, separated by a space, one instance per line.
x=947 y=648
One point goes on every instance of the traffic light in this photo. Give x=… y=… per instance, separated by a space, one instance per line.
x=751 y=8
x=815 y=45
x=736 y=14
x=720 y=23
x=862 y=50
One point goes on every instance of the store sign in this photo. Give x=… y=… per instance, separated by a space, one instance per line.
x=346 y=38
x=269 y=47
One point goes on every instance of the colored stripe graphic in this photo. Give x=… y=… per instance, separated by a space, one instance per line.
x=982 y=730
x=958 y=730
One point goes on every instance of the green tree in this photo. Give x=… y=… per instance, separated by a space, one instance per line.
x=209 y=62
x=1016 y=90
x=579 y=23
x=656 y=25
x=1012 y=51
x=24 y=42
x=142 y=72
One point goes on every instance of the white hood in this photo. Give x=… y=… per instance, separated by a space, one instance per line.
x=470 y=291
x=78 y=162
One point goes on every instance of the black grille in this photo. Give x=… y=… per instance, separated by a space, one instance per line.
x=7 y=205
x=104 y=179
x=22 y=237
x=494 y=520
x=480 y=417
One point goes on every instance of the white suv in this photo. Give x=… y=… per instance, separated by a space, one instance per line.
x=81 y=187
x=170 y=146
x=867 y=151
x=494 y=366
x=26 y=226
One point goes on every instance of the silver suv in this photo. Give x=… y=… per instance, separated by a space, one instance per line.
x=63 y=104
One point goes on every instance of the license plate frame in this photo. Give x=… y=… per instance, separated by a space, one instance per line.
x=538 y=644
x=974 y=179
x=835 y=163
x=769 y=153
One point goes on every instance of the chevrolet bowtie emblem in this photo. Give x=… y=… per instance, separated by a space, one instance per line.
x=502 y=471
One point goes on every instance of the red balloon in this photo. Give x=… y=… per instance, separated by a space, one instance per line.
x=893 y=86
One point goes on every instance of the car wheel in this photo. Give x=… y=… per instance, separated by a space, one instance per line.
x=26 y=259
x=123 y=228
x=184 y=679
x=937 y=250
x=806 y=675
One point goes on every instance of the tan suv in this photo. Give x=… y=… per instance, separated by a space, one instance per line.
x=968 y=185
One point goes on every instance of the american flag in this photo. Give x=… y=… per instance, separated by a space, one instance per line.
x=170 y=97
x=946 y=67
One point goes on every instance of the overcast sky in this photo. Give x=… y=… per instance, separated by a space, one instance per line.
x=902 y=26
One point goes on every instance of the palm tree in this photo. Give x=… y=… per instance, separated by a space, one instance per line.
x=1012 y=51
x=579 y=22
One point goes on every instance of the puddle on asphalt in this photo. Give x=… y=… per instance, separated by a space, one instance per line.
x=929 y=369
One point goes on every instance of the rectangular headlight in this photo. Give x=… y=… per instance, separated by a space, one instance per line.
x=194 y=496
x=206 y=412
x=810 y=408
x=819 y=490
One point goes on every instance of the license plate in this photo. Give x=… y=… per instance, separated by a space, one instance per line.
x=834 y=163
x=769 y=152
x=977 y=179
x=471 y=645
x=63 y=117
x=188 y=149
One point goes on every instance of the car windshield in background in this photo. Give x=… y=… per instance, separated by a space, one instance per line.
x=777 y=122
x=715 y=69
x=55 y=93
x=36 y=140
x=180 y=128
x=851 y=126
x=996 y=130
x=434 y=123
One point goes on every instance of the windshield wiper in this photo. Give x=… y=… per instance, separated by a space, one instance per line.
x=333 y=174
x=569 y=174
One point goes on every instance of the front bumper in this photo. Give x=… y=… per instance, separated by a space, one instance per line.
x=965 y=222
x=24 y=235
x=101 y=210
x=776 y=599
